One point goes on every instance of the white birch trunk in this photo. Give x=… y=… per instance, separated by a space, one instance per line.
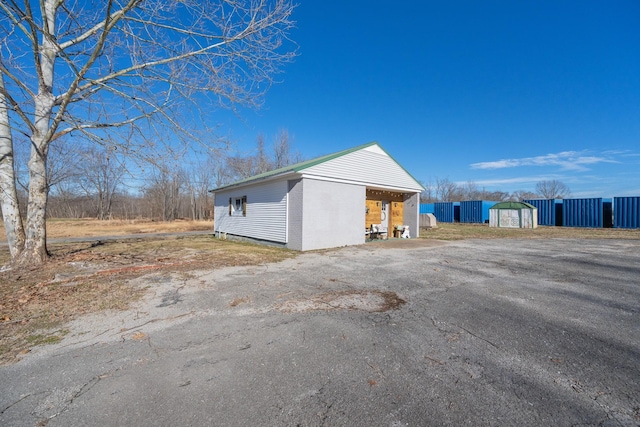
x=8 y=194
x=35 y=249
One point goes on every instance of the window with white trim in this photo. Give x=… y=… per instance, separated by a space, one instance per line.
x=238 y=206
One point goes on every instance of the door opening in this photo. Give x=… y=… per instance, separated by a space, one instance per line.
x=384 y=215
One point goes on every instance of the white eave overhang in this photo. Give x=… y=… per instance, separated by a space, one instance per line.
x=377 y=186
x=287 y=174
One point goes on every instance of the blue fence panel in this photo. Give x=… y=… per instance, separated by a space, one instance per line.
x=582 y=213
x=626 y=212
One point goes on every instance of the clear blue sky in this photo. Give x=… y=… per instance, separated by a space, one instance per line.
x=501 y=93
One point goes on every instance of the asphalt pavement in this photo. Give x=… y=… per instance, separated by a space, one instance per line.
x=420 y=333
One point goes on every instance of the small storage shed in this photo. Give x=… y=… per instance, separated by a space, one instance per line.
x=322 y=203
x=513 y=215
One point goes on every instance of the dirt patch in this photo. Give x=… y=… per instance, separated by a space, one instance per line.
x=373 y=301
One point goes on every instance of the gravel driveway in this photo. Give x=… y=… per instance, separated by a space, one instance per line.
x=477 y=332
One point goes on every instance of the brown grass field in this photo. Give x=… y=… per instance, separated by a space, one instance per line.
x=60 y=228
x=90 y=277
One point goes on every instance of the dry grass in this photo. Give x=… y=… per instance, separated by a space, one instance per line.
x=456 y=231
x=60 y=228
x=85 y=278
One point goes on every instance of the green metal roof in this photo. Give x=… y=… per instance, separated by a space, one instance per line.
x=299 y=167
x=512 y=205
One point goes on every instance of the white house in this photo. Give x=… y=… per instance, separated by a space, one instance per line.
x=321 y=203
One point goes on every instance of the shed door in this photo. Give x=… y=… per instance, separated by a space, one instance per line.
x=386 y=212
x=510 y=218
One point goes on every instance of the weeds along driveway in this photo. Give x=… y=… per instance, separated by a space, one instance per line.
x=477 y=332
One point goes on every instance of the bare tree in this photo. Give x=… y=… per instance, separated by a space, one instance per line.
x=496 y=196
x=198 y=186
x=553 y=189
x=447 y=191
x=240 y=167
x=101 y=173
x=282 y=154
x=520 y=195
x=470 y=191
x=165 y=192
x=428 y=195
x=244 y=166
x=103 y=68
x=262 y=162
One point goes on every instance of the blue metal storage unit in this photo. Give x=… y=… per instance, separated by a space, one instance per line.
x=475 y=211
x=626 y=212
x=546 y=210
x=443 y=211
x=583 y=213
x=426 y=208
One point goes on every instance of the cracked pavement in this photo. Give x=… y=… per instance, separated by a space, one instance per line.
x=483 y=332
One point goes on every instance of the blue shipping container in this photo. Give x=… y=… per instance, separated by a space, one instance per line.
x=475 y=211
x=549 y=211
x=626 y=212
x=443 y=211
x=426 y=208
x=546 y=210
x=582 y=213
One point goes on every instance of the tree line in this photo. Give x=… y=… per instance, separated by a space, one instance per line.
x=444 y=190
x=98 y=182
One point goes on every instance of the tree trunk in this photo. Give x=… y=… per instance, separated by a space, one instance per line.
x=35 y=248
x=193 y=204
x=8 y=194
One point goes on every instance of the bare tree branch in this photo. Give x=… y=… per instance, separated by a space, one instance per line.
x=11 y=13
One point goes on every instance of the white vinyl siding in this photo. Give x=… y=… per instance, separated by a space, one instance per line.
x=295 y=211
x=369 y=167
x=266 y=217
x=333 y=214
x=412 y=214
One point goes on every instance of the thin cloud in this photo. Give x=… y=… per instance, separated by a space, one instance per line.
x=566 y=160
x=621 y=153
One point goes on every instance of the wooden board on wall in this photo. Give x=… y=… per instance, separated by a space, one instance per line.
x=397 y=214
x=374 y=214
